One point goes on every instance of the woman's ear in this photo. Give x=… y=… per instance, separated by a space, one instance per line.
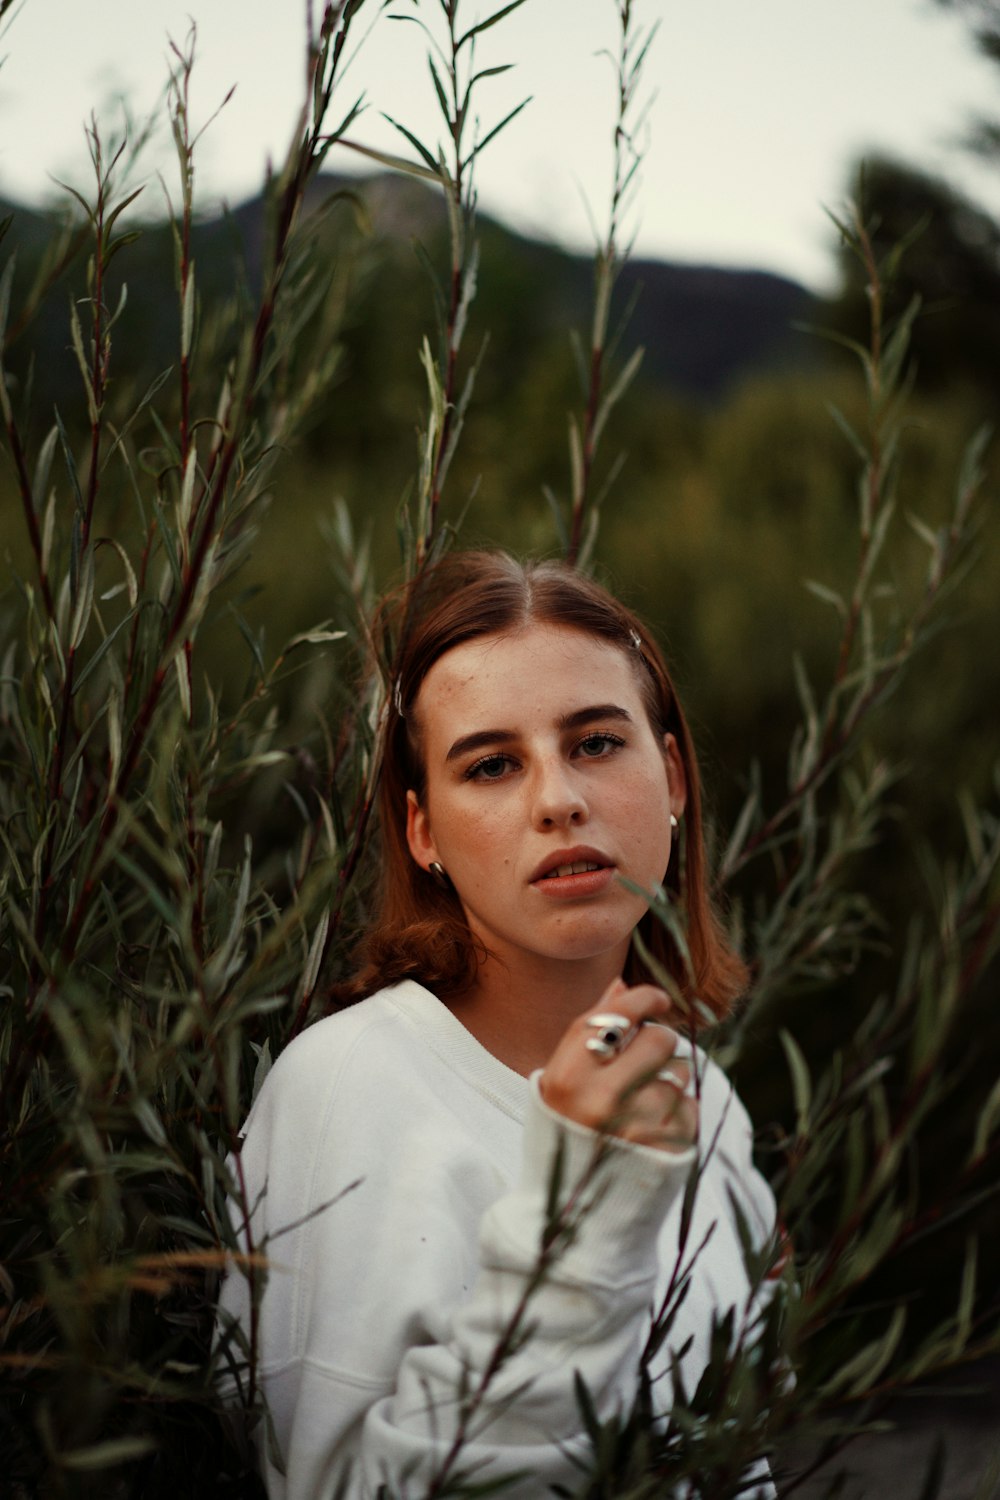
x=676 y=776
x=418 y=832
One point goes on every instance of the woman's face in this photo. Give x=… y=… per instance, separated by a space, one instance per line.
x=545 y=781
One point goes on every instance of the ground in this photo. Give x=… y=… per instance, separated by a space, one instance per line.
x=962 y=1411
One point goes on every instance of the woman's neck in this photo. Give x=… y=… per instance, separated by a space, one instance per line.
x=520 y=1012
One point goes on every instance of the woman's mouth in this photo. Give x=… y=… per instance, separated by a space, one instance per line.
x=578 y=867
x=574 y=872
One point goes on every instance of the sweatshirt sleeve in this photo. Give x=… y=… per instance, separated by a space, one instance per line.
x=483 y=1387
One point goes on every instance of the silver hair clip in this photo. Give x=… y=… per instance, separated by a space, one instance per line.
x=634 y=638
x=397 y=698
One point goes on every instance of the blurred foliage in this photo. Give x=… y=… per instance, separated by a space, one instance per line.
x=948 y=265
x=204 y=495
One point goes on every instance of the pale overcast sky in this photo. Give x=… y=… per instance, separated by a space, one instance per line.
x=760 y=106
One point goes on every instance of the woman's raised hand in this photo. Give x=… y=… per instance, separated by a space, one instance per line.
x=617 y=1068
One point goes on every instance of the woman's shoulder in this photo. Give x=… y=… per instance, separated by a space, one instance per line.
x=377 y=1029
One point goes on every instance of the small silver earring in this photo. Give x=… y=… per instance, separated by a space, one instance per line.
x=673 y=824
x=439 y=875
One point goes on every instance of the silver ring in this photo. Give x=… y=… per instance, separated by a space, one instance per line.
x=613 y=1033
x=666 y=1075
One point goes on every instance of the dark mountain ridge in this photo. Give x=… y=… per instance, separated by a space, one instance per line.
x=704 y=328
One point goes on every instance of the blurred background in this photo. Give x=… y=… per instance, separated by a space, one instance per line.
x=735 y=478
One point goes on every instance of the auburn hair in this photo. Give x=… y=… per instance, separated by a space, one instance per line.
x=418 y=929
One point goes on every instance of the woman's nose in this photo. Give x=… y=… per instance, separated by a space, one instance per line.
x=558 y=797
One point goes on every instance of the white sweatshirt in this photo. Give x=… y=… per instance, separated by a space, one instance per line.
x=384 y=1308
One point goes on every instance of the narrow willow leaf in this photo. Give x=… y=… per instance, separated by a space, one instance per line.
x=120 y=208
x=150 y=1122
x=575 y=459
x=212 y=850
x=414 y=141
x=801 y=1080
x=114 y=738
x=186 y=498
x=183 y=683
x=858 y=1375
x=131 y=581
x=481 y=26
x=490 y=135
x=741 y=828
x=48 y=532
x=880 y=530
x=897 y=346
x=84 y=604
x=76 y=333
x=108 y=1455
x=972 y=471
x=924 y=532
x=329 y=830
x=986 y=1124
x=860 y=450
x=161 y=905
x=396 y=163
x=585 y=1406
x=264 y=1062
x=966 y=1299
x=69 y=460
x=315 y=957
x=439 y=88
x=616 y=392
x=493 y=72
x=806 y=698
x=219 y=965
x=187 y=315
x=103 y=653
x=43 y=468
x=828 y=595
x=318 y=637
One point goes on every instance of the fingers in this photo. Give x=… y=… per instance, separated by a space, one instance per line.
x=621 y=1068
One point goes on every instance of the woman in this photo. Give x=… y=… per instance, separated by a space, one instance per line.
x=470 y=1186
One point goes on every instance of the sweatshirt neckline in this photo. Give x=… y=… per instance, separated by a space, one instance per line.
x=458 y=1048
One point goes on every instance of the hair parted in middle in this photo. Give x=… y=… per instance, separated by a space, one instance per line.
x=419 y=930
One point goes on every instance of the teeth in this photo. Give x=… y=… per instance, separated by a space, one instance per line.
x=578 y=867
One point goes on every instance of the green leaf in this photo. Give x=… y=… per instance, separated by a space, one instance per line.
x=417 y=144
x=617 y=391
x=107 y=1455
x=84 y=602
x=828 y=595
x=801 y=1080
x=397 y=163
x=43 y=468
x=439 y=88
x=481 y=26
x=480 y=146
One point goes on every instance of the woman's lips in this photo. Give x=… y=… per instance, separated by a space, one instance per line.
x=574 y=877
x=573 y=867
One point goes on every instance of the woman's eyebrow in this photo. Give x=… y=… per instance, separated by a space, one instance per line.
x=482 y=738
x=479 y=741
x=581 y=716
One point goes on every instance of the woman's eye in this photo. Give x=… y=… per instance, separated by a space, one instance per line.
x=596 y=745
x=490 y=768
